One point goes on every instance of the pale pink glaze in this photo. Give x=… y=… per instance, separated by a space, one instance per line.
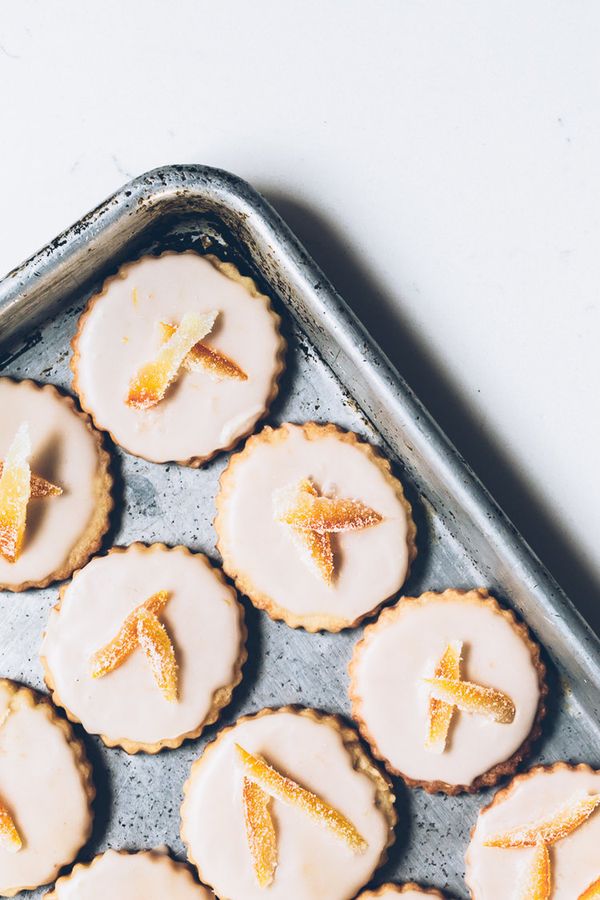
x=41 y=786
x=371 y=564
x=135 y=876
x=393 y=698
x=202 y=618
x=65 y=452
x=199 y=414
x=493 y=873
x=313 y=863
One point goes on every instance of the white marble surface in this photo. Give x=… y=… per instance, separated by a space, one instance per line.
x=441 y=161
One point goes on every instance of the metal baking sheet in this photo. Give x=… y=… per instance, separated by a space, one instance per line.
x=334 y=373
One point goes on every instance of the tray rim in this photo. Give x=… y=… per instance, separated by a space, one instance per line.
x=29 y=292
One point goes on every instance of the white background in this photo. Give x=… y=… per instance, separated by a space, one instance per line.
x=441 y=160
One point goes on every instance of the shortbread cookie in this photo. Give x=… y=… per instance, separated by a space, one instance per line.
x=287 y=803
x=313 y=526
x=177 y=357
x=539 y=838
x=145 y=646
x=147 y=875
x=448 y=689
x=46 y=791
x=409 y=892
x=55 y=486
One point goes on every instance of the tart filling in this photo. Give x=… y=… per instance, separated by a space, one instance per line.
x=145 y=646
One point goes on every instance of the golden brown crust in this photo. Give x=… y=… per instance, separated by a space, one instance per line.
x=28 y=697
x=505 y=792
x=399 y=889
x=385 y=797
x=313 y=432
x=91 y=539
x=502 y=769
x=222 y=696
x=230 y=271
x=159 y=856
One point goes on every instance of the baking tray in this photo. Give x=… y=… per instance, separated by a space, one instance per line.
x=335 y=373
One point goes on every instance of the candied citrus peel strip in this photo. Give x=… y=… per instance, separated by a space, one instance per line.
x=286 y=790
x=537 y=884
x=15 y=492
x=156 y=644
x=10 y=839
x=116 y=651
x=201 y=356
x=592 y=892
x=474 y=698
x=40 y=487
x=550 y=830
x=150 y=384
x=327 y=515
x=317 y=546
x=260 y=832
x=440 y=713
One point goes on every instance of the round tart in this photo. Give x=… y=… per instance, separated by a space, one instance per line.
x=448 y=689
x=313 y=526
x=539 y=837
x=145 y=646
x=409 y=892
x=288 y=801
x=55 y=486
x=177 y=357
x=45 y=791
x=151 y=875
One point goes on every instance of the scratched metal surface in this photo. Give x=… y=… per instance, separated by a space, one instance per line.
x=463 y=538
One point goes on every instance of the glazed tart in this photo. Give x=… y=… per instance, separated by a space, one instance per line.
x=177 y=357
x=448 y=689
x=45 y=791
x=150 y=875
x=539 y=837
x=286 y=803
x=313 y=526
x=55 y=486
x=145 y=646
x=409 y=892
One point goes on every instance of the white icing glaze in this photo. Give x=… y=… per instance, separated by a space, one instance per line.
x=492 y=872
x=135 y=876
x=65 y=452
x=202 y=618
x=371 y=564
x=122 y=332
x=42 y=788
x=313 y=863
x=399 y=652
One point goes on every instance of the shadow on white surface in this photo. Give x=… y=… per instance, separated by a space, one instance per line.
x=408 y=352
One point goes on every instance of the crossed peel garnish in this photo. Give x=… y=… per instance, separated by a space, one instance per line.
x=259 y=826
x=448 y=691
x=201 y=356
x=10 y=839
x=313 y=518
x=15 y=492
x=150 y=384
x=142 y=629
x=537 y=884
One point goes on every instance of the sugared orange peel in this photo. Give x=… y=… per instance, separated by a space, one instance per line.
x=287 y=791
x=440 y=713
x=40 y=488
x=556 y=827
x=260 y=832
x=537 y=884
x=155 y=642
x=592 y=892
x=473 y=698
x=317 y=546
x=15 y=492
x=10 y=839
x=150 y=384
x=328 y=515
x=201 y=356
x=115 y=653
